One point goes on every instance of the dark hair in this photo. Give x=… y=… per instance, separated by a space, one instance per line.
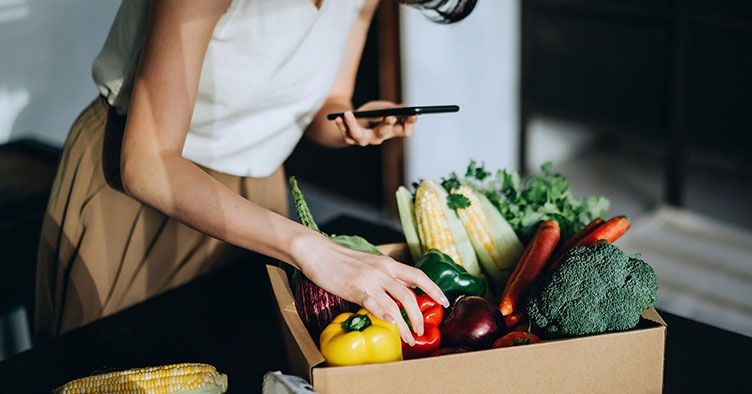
x=443 y=11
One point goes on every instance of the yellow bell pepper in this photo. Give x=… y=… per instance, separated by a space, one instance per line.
x=360 y=338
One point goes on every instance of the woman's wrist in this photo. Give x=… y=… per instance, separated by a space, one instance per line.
x=300 y=247
x=325 y=132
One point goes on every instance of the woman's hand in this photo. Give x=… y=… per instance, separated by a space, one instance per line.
x=374 y=131
x=372 y=281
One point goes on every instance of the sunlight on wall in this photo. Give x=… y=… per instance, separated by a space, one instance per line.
x=46 y=51
x=12 y=102
x=11 y=10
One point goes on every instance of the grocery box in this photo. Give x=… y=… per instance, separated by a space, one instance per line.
x=621 y=362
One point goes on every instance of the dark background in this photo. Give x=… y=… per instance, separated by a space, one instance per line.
x=672 y=76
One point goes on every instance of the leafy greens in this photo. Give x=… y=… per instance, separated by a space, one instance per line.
x=525 y=203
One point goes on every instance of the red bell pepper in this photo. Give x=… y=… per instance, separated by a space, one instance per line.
x=433 y=313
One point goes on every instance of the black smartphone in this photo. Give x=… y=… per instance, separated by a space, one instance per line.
x=400 y=111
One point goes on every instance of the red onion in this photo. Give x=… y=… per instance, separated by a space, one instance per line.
x=472 y=322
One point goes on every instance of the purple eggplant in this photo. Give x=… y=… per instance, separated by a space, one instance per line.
x=316 y=306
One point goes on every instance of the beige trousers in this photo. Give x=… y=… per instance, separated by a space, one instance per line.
x=102 y=251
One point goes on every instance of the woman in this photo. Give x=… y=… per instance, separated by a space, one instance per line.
x=178 y=165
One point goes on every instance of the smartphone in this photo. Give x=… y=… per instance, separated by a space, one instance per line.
x=400 y=111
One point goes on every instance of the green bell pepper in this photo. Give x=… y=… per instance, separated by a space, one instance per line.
x=451 y=277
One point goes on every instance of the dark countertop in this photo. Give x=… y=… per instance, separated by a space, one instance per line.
x=227 y=319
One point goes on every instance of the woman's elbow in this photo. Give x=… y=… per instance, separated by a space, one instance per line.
x=145 y=176
x=131 y=176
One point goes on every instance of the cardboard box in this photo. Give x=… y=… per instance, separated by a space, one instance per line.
x=623 y=362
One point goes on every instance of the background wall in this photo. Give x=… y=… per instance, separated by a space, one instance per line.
x=46 y=51
x=473 y=64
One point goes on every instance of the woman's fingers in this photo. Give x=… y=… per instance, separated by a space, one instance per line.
x=416 y=278
x=409 y=125
x=382 y=294
x=387 y=285
x=406 y=298
x=397 y=281
x=388 y=311
x=377 y=130
x=378 y=283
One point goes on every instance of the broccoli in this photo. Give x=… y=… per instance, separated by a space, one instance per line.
x=593 y=290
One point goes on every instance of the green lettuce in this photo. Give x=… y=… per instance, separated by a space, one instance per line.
x=525 y=203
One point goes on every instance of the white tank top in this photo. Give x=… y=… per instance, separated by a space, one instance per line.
x=268 y=69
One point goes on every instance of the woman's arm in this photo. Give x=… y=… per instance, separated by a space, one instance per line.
x=349 y=131
x=154 y=171
x=164 y=93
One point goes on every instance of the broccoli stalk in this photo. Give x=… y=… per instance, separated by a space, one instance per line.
x=594 y=290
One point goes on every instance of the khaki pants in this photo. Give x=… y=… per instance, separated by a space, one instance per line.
x=102 y=251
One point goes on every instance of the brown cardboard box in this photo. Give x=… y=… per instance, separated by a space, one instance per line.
x=622 y=362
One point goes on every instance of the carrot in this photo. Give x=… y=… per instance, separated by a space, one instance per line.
x=609 y=230
x=535 y=256
x=563 y=248
x=517 y=269
x=525 y=253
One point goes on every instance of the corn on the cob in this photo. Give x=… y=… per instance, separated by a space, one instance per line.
x=184 y=378
x=440 y=228
x=406 y=209
x=496 y=244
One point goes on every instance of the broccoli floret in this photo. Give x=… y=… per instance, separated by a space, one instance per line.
x=593 y=290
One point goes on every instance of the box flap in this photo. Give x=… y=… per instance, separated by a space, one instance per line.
x=303 y=354
x=397 y=251
x=652 y=315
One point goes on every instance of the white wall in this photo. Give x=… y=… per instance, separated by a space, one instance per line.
x=474 y=64
x=46 y=51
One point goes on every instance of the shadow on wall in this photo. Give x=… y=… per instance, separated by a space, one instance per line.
x=27 y=169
